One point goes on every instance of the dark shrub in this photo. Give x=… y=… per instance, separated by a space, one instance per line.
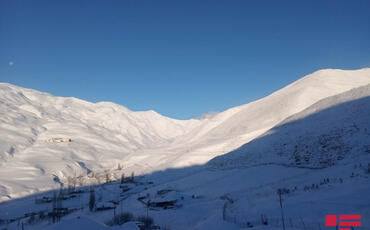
x=120 y=219
x=146 y=220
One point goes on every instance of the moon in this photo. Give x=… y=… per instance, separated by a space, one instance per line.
x=11 y=63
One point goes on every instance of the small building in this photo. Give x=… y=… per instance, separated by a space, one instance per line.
x=102 y=206
x=168 y=204
x=59 y=139
x=43 y=200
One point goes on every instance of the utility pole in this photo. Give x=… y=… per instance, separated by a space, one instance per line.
x=147 y=209
x=281 y=207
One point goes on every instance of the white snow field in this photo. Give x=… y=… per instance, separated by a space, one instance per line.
x=311 y=138
x=332 y=130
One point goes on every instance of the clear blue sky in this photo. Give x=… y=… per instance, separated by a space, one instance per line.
x=180 y=58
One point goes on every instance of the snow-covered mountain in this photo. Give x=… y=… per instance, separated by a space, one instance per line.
x=335 y=129
x=102 y=135
x=236 y=126
x=105 y=134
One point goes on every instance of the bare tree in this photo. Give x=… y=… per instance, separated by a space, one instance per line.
x=54 y=205
x=122 y=178
x=264 y=220
x=80 y=180
x=97 y=177
x=59 y=204
x=107 y=177
x=224 y=211
x=92 y=199
x=71 y=183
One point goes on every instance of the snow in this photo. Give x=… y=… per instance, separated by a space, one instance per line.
x=252 y=196
x=129 y=226
x=325 y=133
x=251 y=150
x=106 y=134
x=79 y=223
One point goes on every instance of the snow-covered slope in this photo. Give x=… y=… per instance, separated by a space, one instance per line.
x=102 y=134
x=234 y=127
x=105 y=134
x=332 y=130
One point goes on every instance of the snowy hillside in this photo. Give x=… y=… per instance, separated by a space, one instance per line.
x=332 y=130
x=309 y=140
x=105 y=134
x=239 y=125
x=102 y=135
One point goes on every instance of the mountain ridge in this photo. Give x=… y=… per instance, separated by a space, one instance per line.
x=105 y=134
x=307 y=139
